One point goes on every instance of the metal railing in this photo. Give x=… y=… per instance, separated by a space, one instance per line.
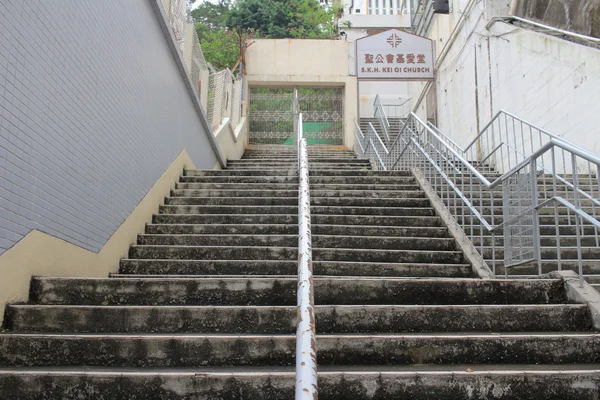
x=391 y=7
x=551 y=30
x=397 y=110
x=236 y=103
x=176 y=13
x=379 y=113
x=218 y=97
x=306 y=347
x=549 y=185
x=218 y=91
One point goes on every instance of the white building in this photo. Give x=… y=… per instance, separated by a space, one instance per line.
x=365 y=17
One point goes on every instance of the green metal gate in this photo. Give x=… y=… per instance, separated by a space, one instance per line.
x=271 y=115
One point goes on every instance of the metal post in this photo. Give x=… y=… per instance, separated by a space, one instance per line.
x=537 y=251
x=296 y=111
x=306 y=345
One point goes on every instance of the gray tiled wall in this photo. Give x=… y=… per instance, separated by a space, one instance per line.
x=92 y=112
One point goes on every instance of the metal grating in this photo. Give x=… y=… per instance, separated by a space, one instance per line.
x=519 y=229
x=271 y=115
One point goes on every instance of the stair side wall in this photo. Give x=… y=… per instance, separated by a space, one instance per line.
x=550 y=82
x=41 y=254
x=93 y=109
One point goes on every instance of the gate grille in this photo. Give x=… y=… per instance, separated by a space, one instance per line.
x=519 y=229
x=272 y=117
x=322 y=112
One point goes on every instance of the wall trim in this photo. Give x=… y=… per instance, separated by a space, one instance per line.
x=471 y=255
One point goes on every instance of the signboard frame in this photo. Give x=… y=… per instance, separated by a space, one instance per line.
x=403 y=79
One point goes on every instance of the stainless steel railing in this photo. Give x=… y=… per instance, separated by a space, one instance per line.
x=306 y=348
x=555 y=186
x=383 y=121
x=397 y=110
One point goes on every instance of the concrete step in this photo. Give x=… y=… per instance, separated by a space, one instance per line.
x=486 y=202
x=315 y=166
x=293 y=172
x=290 y=253
x=235 y=200
x=241 y=180
x=593 y=279
x=163 y=268
x=498 y=211
x=236 y=192
x=349 y=230
x=241 y=172
x=293 y=164
x=293 y=156
x=346 y=179
x=475 y=193
x=589 y=267
x=544 y=230
x=293 y=186
x=549 y=253
x=361 y=172
x=289 y=192
x=213 y=252
x=359 y=192
x=584 y=181
x=313 y=159
x=281 y=290
x=237 y=186
x=454 y=382
x=543 y=220
x=289 y=201
x=277 y=209
x=282 y=319
x=251 y=219
x=318 y=219
x=568 y=241
x=173 y=350
x=318 y=241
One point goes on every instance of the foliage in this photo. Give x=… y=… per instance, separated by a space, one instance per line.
x=211 y=16
x=223 y=27
x=305 y=19
x=220 y=47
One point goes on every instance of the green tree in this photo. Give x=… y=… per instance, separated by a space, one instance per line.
x=212 y=16
x=219 y=44
x=220 y=48
x=223 y=28
x=305 y=19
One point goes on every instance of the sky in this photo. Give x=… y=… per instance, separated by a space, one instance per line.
x=198 y=2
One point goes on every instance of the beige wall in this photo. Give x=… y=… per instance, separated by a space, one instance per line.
x=232 y=140
x=40 y=254
x=304 y=62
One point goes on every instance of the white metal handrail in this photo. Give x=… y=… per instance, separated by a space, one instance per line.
x=306 y=348
x=546 y=28
x=465 y=189
x=397 y=110
x=379 y=113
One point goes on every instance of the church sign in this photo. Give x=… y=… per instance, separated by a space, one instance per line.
x=395 y=55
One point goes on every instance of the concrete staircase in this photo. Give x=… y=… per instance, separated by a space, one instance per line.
x=204 y=307
x=395 y=126
x=566 y=227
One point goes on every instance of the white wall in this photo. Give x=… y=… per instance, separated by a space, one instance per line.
x=549 y=82
x=389 y=92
